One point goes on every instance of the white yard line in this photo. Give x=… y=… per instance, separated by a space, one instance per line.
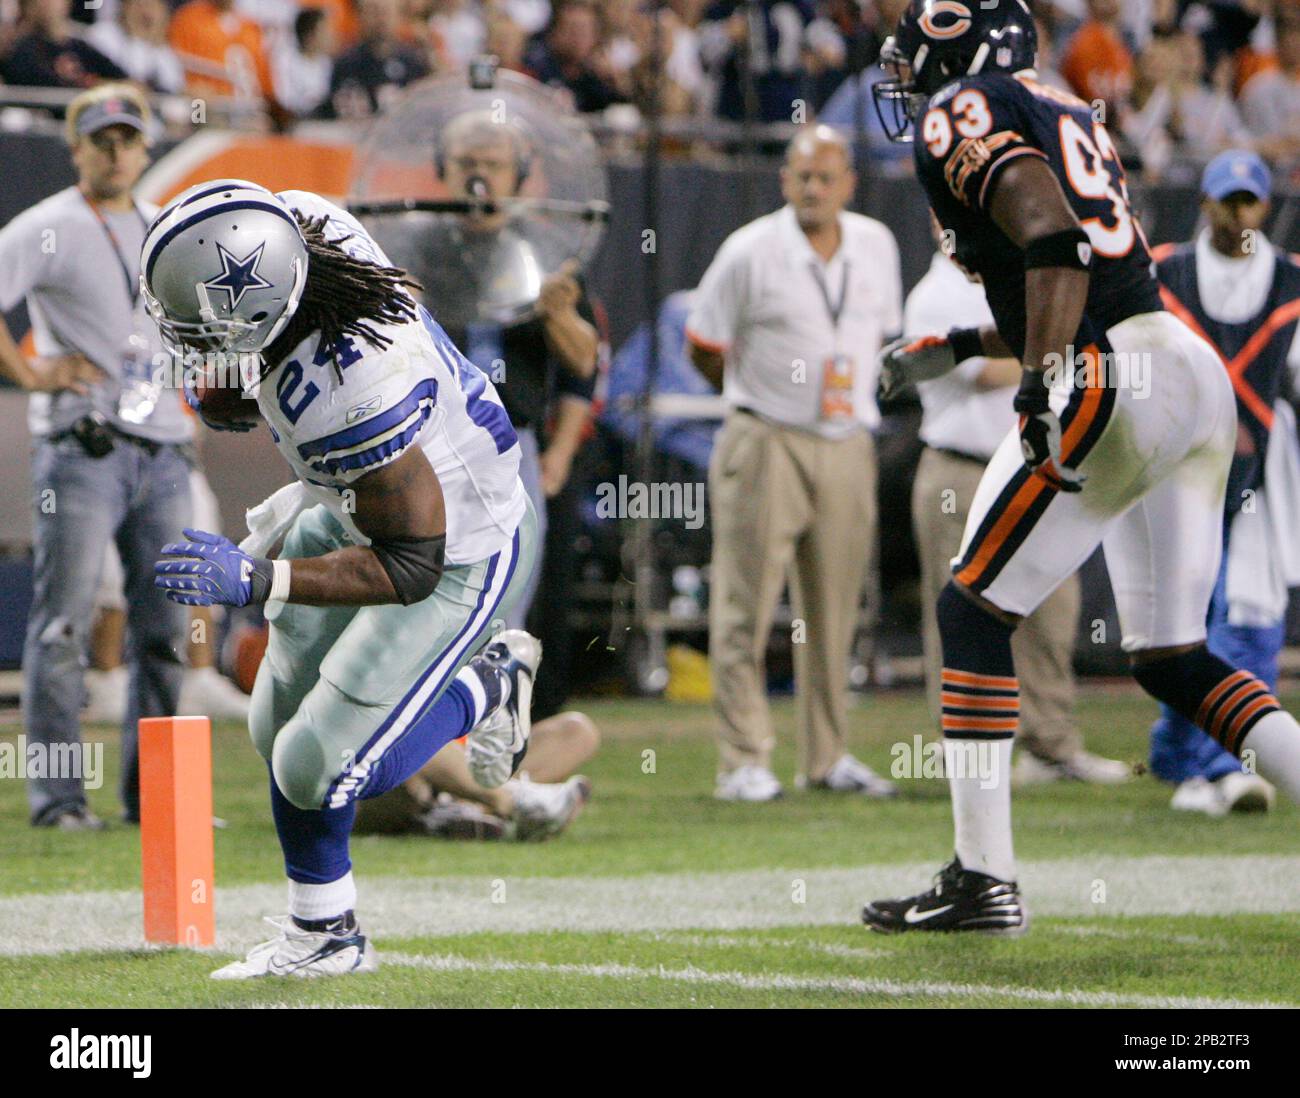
x=397 y=907
x=848 y=985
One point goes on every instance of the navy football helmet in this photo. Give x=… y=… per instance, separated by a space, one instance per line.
x=937 y=41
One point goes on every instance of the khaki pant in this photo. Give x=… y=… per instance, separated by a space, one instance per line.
x=1042 y=647
x=786 y=503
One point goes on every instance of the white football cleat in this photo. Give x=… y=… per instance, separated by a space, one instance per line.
x=497 y=744
x=304 y=953
x=1242 y=792
x=1199 y=795
x=543 y=810
x=748 y=783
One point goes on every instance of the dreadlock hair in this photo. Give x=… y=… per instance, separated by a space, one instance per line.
x=340 y=295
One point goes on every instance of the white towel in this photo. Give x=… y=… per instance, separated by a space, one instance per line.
x=270 y=520
x=1264 y=547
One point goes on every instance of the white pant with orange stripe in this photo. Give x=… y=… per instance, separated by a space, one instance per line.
x=1154 y=436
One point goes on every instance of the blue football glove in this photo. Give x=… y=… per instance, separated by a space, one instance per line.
x=210 y=569
x=193 y=401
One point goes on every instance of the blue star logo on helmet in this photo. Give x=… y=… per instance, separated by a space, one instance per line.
x=238 y=276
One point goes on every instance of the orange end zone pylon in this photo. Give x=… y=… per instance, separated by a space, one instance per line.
x=176 y=830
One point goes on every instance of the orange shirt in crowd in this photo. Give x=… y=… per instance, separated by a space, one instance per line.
x=343 y=20
x=1250 y=62
x=1097 y=64
x=222 y=52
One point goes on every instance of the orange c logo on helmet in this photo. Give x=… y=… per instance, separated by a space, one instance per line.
x=959 y=24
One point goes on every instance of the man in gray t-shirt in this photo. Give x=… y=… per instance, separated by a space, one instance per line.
x=109 y=456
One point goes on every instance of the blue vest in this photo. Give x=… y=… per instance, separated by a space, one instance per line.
x=1258 y=369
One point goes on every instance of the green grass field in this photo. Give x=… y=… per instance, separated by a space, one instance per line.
x=661 y=896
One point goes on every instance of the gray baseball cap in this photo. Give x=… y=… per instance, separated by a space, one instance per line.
x=117 y=111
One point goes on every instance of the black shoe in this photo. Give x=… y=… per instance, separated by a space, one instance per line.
x=961 y=899
x=74 y=817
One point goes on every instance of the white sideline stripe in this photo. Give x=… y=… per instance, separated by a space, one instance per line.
x=414 y=907
x=851 y=985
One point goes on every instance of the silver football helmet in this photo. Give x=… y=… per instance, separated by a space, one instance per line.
x=223 y=268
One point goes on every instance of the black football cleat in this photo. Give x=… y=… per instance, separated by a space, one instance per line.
x=961 y=899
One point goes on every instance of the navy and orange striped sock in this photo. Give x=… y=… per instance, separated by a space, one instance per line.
x=1225 y=702
x=980 y=696
x=979 y=707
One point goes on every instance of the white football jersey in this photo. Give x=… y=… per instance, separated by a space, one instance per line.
x=338 y=413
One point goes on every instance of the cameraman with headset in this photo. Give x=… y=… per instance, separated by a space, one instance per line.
x=544 y=367
x=109 y=443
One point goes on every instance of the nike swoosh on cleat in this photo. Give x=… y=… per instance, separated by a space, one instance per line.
x=911 y=915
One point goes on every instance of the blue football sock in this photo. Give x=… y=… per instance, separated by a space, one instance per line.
x=449 y=718
x=314 y=841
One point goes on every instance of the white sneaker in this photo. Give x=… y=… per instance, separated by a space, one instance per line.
x=1243 y=792
x=1086 y=767
x=106 y=694
x=544 y=810
x=850 y=775
x=1096 y=770
x=748 y=783
x=1199 y=795
x=206 y=691
x=297 y=952
x=497 y=744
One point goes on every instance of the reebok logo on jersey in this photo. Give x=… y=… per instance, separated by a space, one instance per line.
x=360 y=411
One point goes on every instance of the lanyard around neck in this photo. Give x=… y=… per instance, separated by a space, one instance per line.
x=132 y=285
x=833 y=308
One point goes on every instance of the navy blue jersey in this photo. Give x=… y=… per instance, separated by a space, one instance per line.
x=974 y=127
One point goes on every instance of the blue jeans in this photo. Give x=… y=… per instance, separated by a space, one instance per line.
x=141 y=501
x=1180 y=750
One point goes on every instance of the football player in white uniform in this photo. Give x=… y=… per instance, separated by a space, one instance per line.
x=407 y=534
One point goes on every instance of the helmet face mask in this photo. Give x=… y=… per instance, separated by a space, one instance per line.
x=223 y=269
x=897 y=99
x=205 y=336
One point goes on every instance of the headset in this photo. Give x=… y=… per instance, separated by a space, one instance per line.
x=523 y=152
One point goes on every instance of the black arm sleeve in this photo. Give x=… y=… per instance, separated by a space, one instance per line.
x=413 y=564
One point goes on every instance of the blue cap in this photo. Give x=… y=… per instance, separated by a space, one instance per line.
x=1233 y=171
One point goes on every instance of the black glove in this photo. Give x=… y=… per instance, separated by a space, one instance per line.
x=1040 y=434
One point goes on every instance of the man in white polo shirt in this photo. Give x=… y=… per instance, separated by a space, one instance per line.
x=787 y=322
x=967 y=413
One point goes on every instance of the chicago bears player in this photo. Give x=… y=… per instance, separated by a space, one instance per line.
x=1126 y=433
x=406 y=537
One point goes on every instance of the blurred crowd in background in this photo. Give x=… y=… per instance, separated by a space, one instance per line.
x=1177 y=77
